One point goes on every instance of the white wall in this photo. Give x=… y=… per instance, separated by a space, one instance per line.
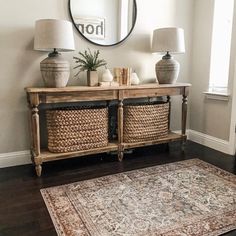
x=211 y=117
x=20 y=63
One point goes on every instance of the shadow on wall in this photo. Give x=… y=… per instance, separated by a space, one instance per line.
x=136 y=42
x=23 y=60
x=215 y=114
x=141 y=43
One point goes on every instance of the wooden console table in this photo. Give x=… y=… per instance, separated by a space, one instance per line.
x=37 y=96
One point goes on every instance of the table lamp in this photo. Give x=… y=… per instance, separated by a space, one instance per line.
x=53 y=36
x=168 y=40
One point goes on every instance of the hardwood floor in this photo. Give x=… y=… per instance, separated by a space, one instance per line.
x=22 y=209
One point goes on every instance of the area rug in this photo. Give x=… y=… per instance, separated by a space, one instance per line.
x=183 y=198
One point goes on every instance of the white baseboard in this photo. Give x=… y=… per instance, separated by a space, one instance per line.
x=23 y=157
x=14 y=158
x=210 y=141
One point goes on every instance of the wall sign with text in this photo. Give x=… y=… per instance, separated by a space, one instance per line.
x=91 y=27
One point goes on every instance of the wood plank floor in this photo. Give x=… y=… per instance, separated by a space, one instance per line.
x=22 y=210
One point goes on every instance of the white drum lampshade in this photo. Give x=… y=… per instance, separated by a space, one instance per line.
x=53 y=36
x=168 y=40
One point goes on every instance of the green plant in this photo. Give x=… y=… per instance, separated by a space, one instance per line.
x=88 y=61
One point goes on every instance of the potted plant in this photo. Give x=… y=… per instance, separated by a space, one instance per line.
x=89 y=62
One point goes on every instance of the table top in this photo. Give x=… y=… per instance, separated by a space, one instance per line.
x=101 y=88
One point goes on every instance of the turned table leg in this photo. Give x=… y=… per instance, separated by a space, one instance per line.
x=35 y=134
x=184 y=118
x=120 y=155
x=38 y=169
x=120 y=131
x=169 y=101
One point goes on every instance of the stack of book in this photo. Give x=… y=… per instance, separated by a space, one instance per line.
x=122 y=76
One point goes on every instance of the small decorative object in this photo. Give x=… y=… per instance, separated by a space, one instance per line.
x=134 y=79
x=53 y=36
x=168 y=40
x=107 y=76
x=92 y=78
x=89 y=62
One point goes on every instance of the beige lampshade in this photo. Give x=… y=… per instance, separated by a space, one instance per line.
x=52 y=33
x=168 y=40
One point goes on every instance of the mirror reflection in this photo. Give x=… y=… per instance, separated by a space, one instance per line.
x=104 y=22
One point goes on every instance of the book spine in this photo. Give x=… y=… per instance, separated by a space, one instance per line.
x=118 y=75
x=122 y=76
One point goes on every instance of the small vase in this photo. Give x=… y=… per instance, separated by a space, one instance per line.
x=107 y=76
x=134 y=79
x=92 y=78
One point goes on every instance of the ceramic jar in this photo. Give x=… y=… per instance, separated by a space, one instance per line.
x=107 y=76
x=134 y=79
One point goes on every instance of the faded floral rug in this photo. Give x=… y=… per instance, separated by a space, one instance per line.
x=184 y=198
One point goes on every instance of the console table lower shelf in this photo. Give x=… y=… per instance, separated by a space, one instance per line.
x=38 y=96
x=46 y=156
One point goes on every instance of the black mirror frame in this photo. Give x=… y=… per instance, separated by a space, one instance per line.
x=108 y=45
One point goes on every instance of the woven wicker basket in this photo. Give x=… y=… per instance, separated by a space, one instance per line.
x=77 y=129
x=145 y=122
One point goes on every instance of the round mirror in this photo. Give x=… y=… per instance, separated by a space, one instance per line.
x=103 y=22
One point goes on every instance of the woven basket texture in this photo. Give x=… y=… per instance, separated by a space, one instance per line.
x=145 y=122
x=77 y=129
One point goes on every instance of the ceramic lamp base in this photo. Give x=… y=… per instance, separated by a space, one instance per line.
x=167 y=70
x=55 y=71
